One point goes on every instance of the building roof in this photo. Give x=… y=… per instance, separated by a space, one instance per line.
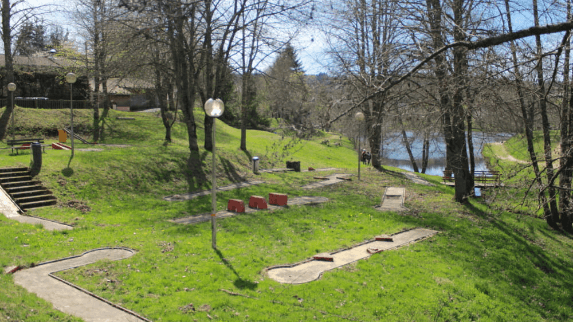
x=124 y=86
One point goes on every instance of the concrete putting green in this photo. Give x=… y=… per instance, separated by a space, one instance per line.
x=393 y=200
x=312 y=269
x=69 y=298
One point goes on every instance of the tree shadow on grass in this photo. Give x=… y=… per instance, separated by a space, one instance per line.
x=390 y=172
x=240 y=283
x=231 y=171
x=67 y=172
x=195 y=174
x=538 y=258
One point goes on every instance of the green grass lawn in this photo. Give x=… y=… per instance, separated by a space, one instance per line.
x=485 y=264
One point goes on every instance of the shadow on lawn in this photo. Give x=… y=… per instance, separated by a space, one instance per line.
x=231 y=171
x=240 y=283
x=196 y=176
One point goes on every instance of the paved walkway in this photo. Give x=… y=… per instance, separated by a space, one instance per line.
x=393 y=200
x=191 y=195
x=225 y=214
x=312 y=270
x=68 y=298
x=328 y=180
x=11 y=211
x=416 y=179
x=288 y=169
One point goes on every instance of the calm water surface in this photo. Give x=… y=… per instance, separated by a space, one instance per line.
x=394 y=152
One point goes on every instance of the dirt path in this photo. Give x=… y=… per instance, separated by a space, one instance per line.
x=507 y=157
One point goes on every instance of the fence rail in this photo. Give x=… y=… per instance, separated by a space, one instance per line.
x=48 y=104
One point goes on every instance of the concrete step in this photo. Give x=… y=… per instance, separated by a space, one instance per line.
x=16 y=169
x=15 y=179
x=21 y=188
x=35 y=198
x=37 y=204
x=34 y=192
x=14 y=174
x=20 y=184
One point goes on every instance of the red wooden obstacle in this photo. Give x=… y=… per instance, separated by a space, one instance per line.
x=60 y=146
x=236 y=205
x=257 y=202
x=384 y=238
x=323 y=257
x=278 y=199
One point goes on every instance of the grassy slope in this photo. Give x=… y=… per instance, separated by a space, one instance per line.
x=483 y=265
x=519 y=176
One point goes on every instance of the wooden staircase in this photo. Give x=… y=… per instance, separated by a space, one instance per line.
x=27 y=193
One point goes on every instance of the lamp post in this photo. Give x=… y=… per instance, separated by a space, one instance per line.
x=12 y=88
x=214 y=109
x=359 y=117
x=71 y=79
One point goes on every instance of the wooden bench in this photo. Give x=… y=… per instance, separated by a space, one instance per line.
x=480 y=176
x=487 y=177
x=24 y=144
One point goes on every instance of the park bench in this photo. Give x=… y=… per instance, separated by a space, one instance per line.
x=493 y=177
x=24 y=144
x=487 y=177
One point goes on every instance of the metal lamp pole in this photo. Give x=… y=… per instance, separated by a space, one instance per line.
x=12 y=88
x=71 y=79
x=214 y=109
x=359 y=117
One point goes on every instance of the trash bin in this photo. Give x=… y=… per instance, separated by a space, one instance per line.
x=62 y=136
x=255 y=165
x=295 y=165
x=36 y=162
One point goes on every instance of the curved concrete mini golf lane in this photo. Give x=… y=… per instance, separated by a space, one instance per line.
x=313 y=269
x=69 y=299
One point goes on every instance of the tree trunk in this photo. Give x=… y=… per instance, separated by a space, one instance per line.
x=407 y=145
x=542 y=101
x=184 y=83
x=463 y=180
x=566 y=160
x=160 y=94
x=245 y=105
x=435 y=20
x=374 y=121
x=7 y=40
x=528 y=121
x=425 y=151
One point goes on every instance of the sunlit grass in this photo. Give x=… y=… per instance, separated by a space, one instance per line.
x=485 y=264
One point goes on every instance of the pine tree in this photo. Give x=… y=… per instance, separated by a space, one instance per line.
x=31 y=39
x=287 y=89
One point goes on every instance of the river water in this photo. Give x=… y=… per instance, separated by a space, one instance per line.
x=394 y=152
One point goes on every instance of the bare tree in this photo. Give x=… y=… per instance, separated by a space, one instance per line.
x=363 y=39
x=14 y=14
